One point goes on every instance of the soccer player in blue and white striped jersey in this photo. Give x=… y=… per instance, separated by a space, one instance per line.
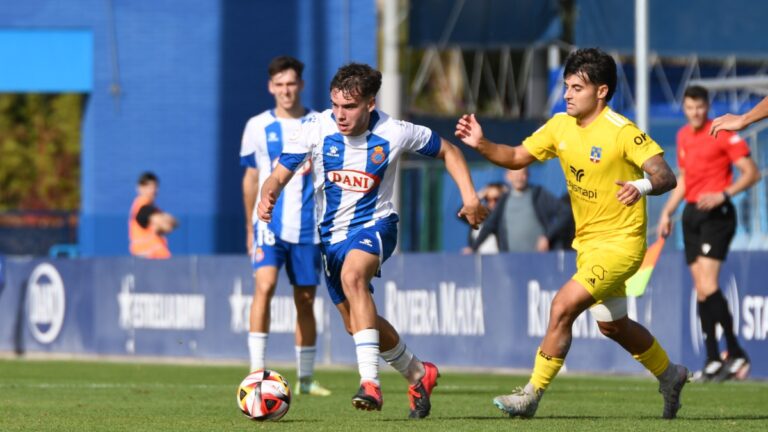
x=354 y=150
x=291 y=237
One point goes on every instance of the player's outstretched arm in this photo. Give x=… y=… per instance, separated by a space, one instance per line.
x=271 y=190
x=457 y=167
x=469 y=131
x=734 y=122
x=660 y=180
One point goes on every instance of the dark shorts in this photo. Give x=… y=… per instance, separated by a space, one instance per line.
x=708 y=233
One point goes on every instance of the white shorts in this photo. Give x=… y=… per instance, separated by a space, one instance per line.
x=610 y=309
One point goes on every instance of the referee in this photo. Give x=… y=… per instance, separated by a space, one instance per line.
x=709 y=220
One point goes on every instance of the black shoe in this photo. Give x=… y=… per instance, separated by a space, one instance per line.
x=734 y=368
x=671 y=391
x=419 y=394
x=368 y=398
x=711 y=371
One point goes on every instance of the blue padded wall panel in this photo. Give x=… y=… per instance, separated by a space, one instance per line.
x=171 y=89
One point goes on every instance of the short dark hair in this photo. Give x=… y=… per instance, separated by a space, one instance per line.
x=595 y=65
x=148 y=176
x=696 y=92
x=283 y=63
x=357 y=79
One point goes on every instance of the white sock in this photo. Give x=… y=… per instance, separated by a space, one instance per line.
x=305 y=362
x=405 y=362
x=367 y=347
x=257 y=347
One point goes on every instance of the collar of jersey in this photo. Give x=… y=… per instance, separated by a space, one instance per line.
x=599 y=118
x=274 y=115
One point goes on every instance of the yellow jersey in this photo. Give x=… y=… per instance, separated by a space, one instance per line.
x=593 y=158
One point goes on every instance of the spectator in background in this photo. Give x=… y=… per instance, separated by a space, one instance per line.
x=526 y=219
x=147 y=224
x=490 y=196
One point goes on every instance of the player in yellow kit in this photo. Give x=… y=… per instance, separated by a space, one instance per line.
x=604 y=157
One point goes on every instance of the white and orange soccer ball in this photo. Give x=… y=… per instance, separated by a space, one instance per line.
x=264 y=395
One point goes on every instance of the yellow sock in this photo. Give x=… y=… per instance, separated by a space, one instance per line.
x=545 y=368
x=655 y=359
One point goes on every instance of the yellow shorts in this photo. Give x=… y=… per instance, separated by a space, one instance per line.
x=604 y=270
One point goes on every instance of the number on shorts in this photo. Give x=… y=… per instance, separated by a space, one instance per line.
x=265 y=237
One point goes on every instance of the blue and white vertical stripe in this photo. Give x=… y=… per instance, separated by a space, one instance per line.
x=355 y=176
x=293 y=219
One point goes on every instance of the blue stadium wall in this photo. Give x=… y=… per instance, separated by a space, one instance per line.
x=707 y=28
x=470 y=311
x=170 y=86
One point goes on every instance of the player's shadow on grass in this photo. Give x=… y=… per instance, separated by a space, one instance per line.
x=746 y=417
x=297 y=421
x=497 y=417
x=683 y=417
x=590 y=417
x=490 y=394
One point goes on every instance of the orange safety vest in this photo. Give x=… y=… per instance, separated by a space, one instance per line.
x=144 y=242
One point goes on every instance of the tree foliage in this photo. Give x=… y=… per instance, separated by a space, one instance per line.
x=40 y=151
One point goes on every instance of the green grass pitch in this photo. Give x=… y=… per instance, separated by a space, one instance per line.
x=105 y=396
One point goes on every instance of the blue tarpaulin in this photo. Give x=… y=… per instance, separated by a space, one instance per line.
x=483 y=22
x=707 y=28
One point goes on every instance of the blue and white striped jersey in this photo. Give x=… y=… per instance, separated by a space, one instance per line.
x=293 y=219
x=354 y=177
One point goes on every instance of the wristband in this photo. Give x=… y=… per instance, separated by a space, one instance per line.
x=643 y=186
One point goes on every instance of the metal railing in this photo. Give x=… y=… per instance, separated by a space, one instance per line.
x=27 y=232
x=753 y=235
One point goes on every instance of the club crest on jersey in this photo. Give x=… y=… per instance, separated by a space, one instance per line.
x=258 y=254
x=378 y=156
x=595 y=154
x=352 y=180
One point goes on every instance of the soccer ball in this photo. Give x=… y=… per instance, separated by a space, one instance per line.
x=264 y=395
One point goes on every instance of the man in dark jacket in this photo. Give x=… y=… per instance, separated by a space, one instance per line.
x=527 y=218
